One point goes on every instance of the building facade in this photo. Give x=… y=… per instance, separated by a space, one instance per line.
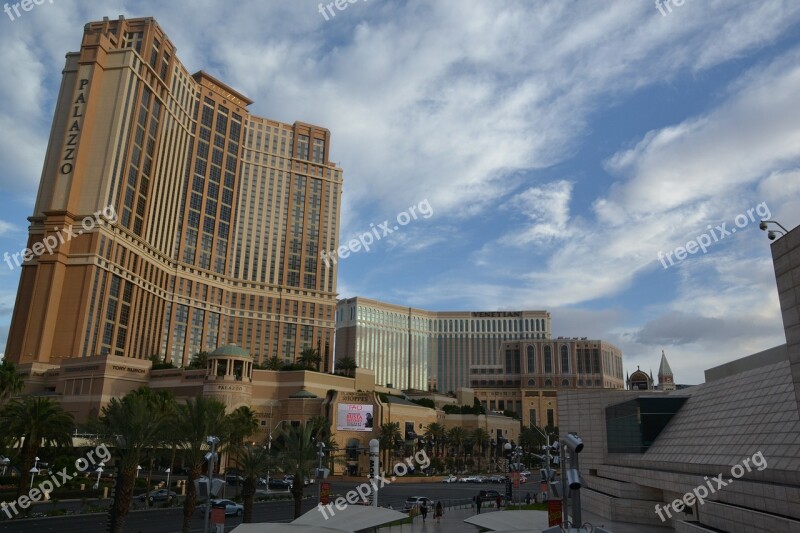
x=532 y=371
x=428 y=350
x=180 y=221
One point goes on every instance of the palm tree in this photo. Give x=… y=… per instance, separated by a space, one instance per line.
x=273 y=363
x=347 y=365
x=130 y=425
x=310 y=359
x=436 y=432
x=34 y=422
x=456 y=437
x=10 y=380
x=388 y=434
x=298 y=457
x=195 y=420
x=241 y=423
x=252 y=461
x=481 y=438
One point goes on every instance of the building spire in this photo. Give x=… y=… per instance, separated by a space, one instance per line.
x=666 y=380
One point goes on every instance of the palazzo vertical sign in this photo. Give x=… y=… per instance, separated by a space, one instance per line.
x=67 y=163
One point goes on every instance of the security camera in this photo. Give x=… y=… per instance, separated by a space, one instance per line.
x=771 y=235
x=574 y=442
x=573 y=479
x=763 y=225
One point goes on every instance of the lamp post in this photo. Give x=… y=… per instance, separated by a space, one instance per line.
x=99 y=471
x=269 y=445
x=33 y=472
x=320 y=446
x=6 y=461
x=213 y=441
x=138 y=469
x=509 y=487
x=168 y=471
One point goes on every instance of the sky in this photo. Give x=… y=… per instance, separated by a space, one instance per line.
x=556 y=154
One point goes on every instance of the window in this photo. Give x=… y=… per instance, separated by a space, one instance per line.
x=531 y=383
x=532 y=418
x=548 y=360
x=531 y=360
x=565 y=383
x=564 y=359
x=550 y=418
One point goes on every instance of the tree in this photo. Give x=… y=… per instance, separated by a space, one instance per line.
x=346 y=365
x=195 y=420
x=481 y=438
x=252 y=461
x=273 y=363
x=298 y=457
x=33 y=422
x=10 y=381
x=240 y=424
x=198 y=361
x=310 y=359
x=435 y=432
x=456 y=436
x=129 y=425
x=388 y=434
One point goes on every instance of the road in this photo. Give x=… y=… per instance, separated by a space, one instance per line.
x=170 y=520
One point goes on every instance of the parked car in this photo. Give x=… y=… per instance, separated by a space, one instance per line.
x=488 y=495
x=278 y=484
x=526 y=473
x=468 y=479
x=231 y=508
x=480 y=479
x=495 y=479
x=416 y=501
x=159 y=495
x=261 y=482
x=450 y=479
x=290 y=479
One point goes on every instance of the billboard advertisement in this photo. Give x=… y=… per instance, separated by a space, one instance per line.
x=354 y=417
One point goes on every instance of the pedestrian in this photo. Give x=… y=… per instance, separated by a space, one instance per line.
x=424 y=510
x=499 y=502
x=438 y=512
x=478 y=503
x=528 y=498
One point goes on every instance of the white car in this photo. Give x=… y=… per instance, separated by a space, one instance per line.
x=450 y=479
x=231 y=508
x=416 y=501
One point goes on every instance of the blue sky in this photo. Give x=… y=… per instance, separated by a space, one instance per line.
x=561 y=147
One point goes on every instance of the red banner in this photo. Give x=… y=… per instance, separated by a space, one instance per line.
x=217 y=515
x=325 y=494
x=554 y=513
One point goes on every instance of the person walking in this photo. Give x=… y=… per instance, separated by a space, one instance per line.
x=478 y=503
x=499 y=502
x=528 y=498
x=438 y=512
x=424 y=510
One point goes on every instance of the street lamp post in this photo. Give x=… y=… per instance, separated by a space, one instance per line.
x=168 y=471
x=509 y=487
x=6 y=461
x=213 y=441
x=320 y=446
x=138 y=469
x=269 y=446
x=99 y=471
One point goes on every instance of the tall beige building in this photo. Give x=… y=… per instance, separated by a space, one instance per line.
x=219 y=216
x=428 y=350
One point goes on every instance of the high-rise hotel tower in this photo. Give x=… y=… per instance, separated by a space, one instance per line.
x=221 y=216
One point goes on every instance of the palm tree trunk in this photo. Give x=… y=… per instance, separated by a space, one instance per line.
x=188 y=503
x=298 y=496
x=122 y=500
x=27 y=453
x=248 y=497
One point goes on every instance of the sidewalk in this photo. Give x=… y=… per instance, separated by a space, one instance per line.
x=452 y=522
